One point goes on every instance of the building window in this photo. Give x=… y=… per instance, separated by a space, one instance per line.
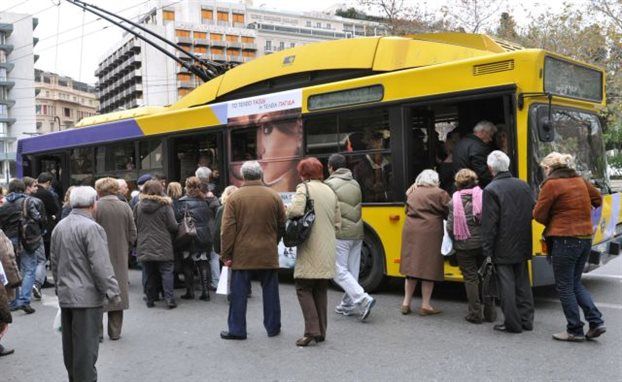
x=328 y=26
x=67 y=112
x=248 y=40
x=207 y=14
x=182 y=33
x=218 y=51
x=308 y=23
x=232 y=38
x=47 y=80
x=318 y=25
x=281 y=45
x=38 y=109
x=3 y=74
x=200 y=49
x=238 y=18
x=215 y=36
x=268 y=45
x=62 y=83
x=292 y=44
x=200 y=35
x=44 y=109
x=168 y=15
x=223 y=16
x=184 y=77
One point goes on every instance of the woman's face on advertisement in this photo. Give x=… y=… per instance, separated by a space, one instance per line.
x=278 y=142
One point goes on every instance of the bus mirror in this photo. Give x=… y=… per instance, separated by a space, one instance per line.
x=546 y=131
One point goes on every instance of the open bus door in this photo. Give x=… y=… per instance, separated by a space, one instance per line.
x=56 y=164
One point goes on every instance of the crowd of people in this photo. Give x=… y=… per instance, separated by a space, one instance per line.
x=89 y=240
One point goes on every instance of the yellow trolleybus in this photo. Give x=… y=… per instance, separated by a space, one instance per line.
x=392 y=105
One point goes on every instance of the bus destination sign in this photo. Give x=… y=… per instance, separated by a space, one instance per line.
x=571 y=80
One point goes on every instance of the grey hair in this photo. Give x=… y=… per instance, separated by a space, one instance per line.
x=486 y=126
x=121 y=182
x=203 y=173
x=251 y=170
x=427 y=178
x=498 y=162
x=83 y=197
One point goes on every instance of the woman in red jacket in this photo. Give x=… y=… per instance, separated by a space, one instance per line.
x=564 y=206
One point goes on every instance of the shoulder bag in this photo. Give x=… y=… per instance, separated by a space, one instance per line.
x=297 y=229
x=187 y=230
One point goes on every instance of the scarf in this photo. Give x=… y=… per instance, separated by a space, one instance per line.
x=461 y=228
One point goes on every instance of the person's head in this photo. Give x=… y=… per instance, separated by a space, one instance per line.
x=45 y=180
x=251 y=170
x=465 y=179
x=17 y=185
x=123 y=189
x=229 y=190
x=427 y=178
x=83 y=197
x=498 y=162
x=204 y=174
x=485 y=130
x=310 y=169
x=66 y=201
x=193 y=187
x=140 y=182
x=153 y=187
x=30 y=184
x=174 y=191
x=106 y=187
x=556 y=160
x=335 y=162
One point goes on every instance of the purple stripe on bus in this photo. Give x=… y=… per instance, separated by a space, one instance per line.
x=82 y=136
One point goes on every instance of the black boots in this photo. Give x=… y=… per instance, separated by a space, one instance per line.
x=205 y=280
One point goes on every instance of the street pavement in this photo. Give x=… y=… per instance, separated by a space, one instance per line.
x=184 y=345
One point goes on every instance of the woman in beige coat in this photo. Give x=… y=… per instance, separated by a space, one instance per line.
x=315 y=260
x=422 y=235
x=117 y=220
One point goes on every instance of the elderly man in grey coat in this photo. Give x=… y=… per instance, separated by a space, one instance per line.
x=84 y=277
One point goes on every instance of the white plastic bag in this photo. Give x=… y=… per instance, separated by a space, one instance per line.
x=57 y=326
x=223 y=282
x=447 y=247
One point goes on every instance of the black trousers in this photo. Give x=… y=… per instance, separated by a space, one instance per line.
x=313 y=299
x=516 y=296
x=80 y=329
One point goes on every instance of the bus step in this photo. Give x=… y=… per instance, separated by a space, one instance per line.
x=614 y=248
x=594 y=257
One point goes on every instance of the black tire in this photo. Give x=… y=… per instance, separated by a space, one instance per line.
x=371 y=273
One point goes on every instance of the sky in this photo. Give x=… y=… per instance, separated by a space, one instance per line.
x=72 y=42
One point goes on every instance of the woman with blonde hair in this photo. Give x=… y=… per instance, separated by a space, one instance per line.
x=422 y=235
x=229 y=190
x=463 y=226
x=564 y=207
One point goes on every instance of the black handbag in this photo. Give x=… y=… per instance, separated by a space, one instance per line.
x=187 y=231
x=297 y=229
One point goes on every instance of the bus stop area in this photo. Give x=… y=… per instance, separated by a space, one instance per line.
x=183 y=344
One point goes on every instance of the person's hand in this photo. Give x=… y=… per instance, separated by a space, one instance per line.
x=227 y=263
x=114 y=300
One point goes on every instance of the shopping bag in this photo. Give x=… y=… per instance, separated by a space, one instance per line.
x=447 y=245
x=57 y=326
x=223 y=282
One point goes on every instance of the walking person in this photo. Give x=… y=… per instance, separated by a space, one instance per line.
x=252 y=225
x=40 y=271
x=463 y=226
x=9 y=281
x=11 y=217
x=316 y=256
x=564 y=206
x=349 y=239
x=84 y=277
x=422 y=236
x=155 y=223
x=117 y=220
x=196 y=253
x=506 y=239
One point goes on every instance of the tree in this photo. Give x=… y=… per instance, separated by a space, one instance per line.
x=507 y=27
x=472 y=16
x=402 y=19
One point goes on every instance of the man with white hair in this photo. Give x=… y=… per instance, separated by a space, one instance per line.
x=506 y=239
x=84 y=277
x=252 y=225
x=471 y=151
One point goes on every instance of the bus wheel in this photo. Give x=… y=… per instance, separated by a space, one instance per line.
x=371 y=272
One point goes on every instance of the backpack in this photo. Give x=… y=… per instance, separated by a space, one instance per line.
x=30 y=231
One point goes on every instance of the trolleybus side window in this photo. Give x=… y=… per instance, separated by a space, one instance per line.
x=82 y=168
x=151 y=156
x=115 y=157
x=200 y=150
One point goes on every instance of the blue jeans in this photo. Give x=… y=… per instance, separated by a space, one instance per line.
x=240 y=284
x=28 y=267
x=569 y=255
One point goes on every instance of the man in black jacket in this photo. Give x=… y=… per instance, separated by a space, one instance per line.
x=471 y=151
x=506 y=238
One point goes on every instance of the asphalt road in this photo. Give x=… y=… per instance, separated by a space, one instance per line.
x=184 y=344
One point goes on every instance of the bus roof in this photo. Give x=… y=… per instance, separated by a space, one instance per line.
x=362 y=56
x=119 y=115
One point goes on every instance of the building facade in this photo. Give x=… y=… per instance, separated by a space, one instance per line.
x=136 y=74
x=62 y=102
x=17 y=91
